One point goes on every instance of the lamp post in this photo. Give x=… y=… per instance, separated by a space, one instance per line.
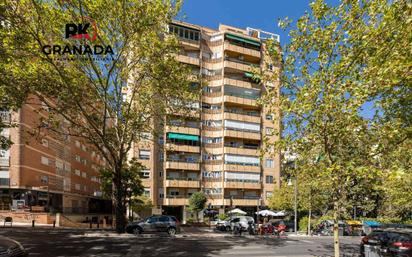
x=295 y=202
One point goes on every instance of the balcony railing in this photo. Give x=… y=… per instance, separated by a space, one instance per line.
x=251 y=97
x=243 y=113
x=243 y=181
x=242 y=130
x=243 y=197
x=241 y=62
x=182 y=178
x=242 y=146
x=182 y=160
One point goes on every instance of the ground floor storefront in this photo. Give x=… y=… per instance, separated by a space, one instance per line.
x=51 y=202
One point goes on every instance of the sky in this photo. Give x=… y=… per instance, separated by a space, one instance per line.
x=260 y=14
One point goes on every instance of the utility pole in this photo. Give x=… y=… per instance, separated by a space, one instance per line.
x=296 y=205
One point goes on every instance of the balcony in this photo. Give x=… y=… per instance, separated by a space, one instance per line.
x=242 y=184
x=182 y=165
x=242 y=50
x=242 y=134
x=176 y=200
x=240 y=99
x=183 y=130
x=188 y=59
x=182 y=148
x=250 y=201
x=240 y=81
x=237 y=64
x=241 y=168
x=241 y=150
x=242 y=116
x=182 y=182
x=4 y=161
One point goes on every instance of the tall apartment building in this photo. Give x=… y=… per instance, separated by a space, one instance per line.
x=47 y=171
x=215 y=149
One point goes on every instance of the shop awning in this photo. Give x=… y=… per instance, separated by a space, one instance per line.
x=182 y=136
x=241 y=39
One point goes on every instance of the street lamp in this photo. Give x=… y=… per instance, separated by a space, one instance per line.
x=295 y=201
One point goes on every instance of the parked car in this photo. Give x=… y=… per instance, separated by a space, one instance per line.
x=243 y=221
x=387 y=243
x=158 y=223
x=223 y=225
x=11 y=248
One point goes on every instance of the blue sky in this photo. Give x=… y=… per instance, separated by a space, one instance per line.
x=261 y=14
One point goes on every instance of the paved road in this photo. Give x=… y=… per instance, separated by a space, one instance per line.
x=49 y=242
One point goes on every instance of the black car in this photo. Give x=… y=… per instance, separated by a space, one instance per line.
x=11 y=248
x=158 y=223
x=387 y=243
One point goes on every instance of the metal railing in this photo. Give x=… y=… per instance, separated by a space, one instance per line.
x=241 y=62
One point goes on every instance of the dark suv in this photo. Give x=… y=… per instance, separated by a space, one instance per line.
x=158 y=223
x=388 y=242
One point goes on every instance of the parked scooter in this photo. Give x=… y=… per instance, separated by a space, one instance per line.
x=251 y=228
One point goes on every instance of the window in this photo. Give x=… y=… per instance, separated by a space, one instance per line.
x=84 y=161
x=77 y=157
x=77 y=172
x=145 y=173
x=44 y=179
x=174 y=193
x=270 y=66
x=45 y=142
x=269 y=131
x=84 y=188
x=84 y=148
x=146 y=192
x=160 y=174
x=269 y=117
x=84 y=175
x=164 y=219
x=144 y=154
x=44 y=160
x=269 y=194
x=77 y=143
x=269 y=179
x=77 y=186
x=269 y=163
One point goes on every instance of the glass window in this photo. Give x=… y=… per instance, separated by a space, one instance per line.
x=144 y=154
x=269 y=131
x=269 y=179
x=151 y=219
x=269 y=117
x=164 y=219
x=269 y=194
x=269 y=163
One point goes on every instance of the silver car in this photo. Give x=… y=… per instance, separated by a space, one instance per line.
x=158 y=223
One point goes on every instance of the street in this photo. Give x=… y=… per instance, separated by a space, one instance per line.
x=45 y=242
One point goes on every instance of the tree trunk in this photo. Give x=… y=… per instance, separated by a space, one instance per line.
x=336 y=228
x=309 y=221
x=119 y=208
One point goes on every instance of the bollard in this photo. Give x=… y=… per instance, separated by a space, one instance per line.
x=98 y=223
x=32 y=223
x=54 y=223
x=90 y=224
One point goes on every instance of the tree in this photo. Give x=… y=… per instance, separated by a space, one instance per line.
x=141 y=203
x=110 y=84
x=197 y=202
x=329 y=74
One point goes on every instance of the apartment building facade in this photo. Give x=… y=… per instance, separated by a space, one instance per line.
x=216 y=147
x=44 y=171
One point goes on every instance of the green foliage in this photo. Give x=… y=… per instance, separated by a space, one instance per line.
x=130 y=179
x=86 y=96
x=197 y=201
x=339 y=59
x=223 y=216
x=303 y=224
x=141 y=203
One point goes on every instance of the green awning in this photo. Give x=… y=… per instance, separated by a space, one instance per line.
x=182 y=136
x=241 y=39
x=248 y=75
x=252 y=76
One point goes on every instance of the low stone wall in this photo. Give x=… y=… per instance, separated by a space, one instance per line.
x=28 y=217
